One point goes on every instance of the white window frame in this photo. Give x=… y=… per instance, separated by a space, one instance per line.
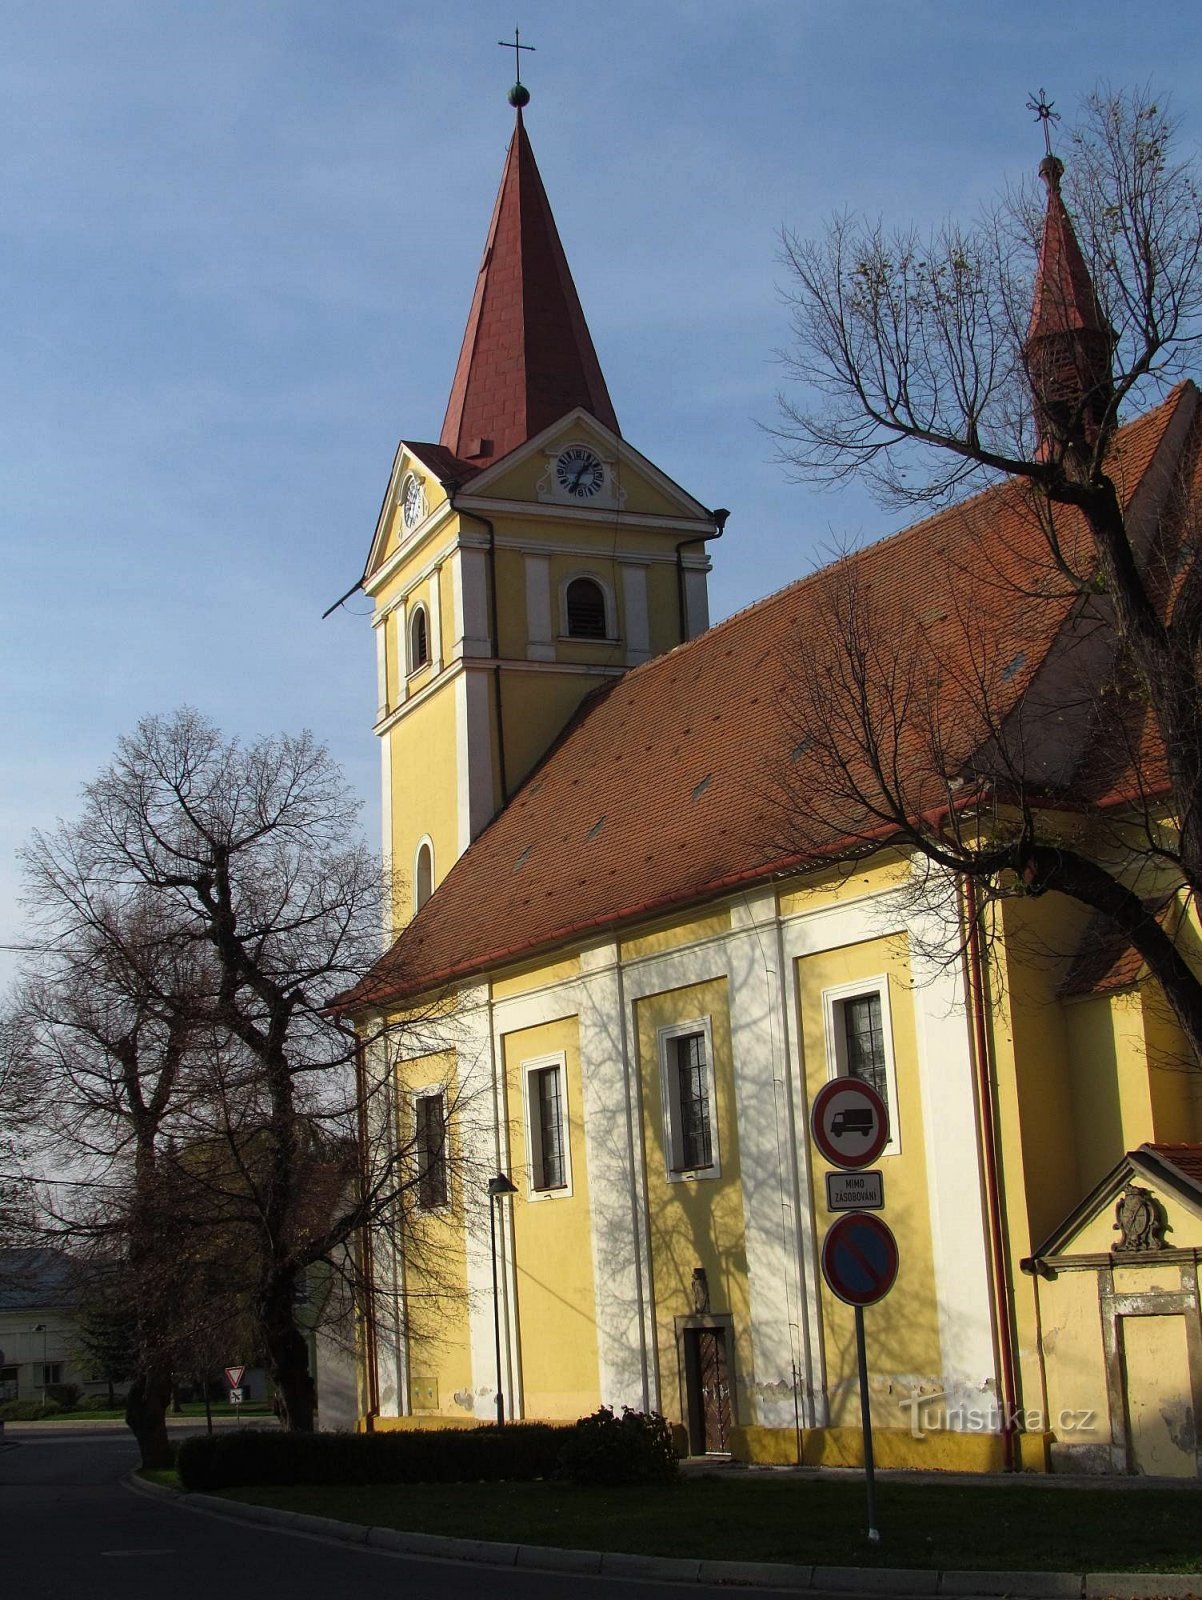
x=413 y=667
x=534 y=1134
x=424 y=843
x=669 y=1086
x=833 y=1001
x=427 y=1092
x=611 y=609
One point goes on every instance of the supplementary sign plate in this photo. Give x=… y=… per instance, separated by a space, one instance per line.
x=235 y=1397
x=850 y=1123
x=855 y=1191
x=859 y=1259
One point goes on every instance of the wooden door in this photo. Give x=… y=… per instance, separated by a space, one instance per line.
x=708 y=1381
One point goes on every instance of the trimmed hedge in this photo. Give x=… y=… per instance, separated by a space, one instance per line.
x=632 y=1448
x=519 y=1451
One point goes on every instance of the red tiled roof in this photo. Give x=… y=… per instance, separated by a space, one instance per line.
x=1183 y=1159
x=667 y=787
x=527 y=357
x=1105 y=959
x=446 y=466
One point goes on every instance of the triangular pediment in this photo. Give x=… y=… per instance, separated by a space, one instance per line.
x=436 y=473
x=629 y=481
x=1168 y=1173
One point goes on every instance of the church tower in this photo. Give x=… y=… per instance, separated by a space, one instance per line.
x=525 y=560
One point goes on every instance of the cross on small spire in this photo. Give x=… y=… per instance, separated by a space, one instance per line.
x=1045 y=114
x=517 y=46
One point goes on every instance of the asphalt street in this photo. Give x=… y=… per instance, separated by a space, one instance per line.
x=70 y=1530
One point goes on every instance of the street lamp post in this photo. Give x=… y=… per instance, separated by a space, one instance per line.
x=498 y=1188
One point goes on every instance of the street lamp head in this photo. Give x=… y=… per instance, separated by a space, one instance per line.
x=39 y=1327
x=500 y=1185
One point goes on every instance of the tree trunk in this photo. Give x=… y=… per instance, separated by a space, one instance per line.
x=146 y=1415
x=288 y=1359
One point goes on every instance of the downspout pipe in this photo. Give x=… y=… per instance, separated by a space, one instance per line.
x=719 y=516
x=993 y=1194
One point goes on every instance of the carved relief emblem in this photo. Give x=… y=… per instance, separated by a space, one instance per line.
x=1139 y=1221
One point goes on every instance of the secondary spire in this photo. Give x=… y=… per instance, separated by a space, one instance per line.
x=527 y=357
x=1068 y=345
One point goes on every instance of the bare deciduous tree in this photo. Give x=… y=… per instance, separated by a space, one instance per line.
x=245 y=864
x=936 y=365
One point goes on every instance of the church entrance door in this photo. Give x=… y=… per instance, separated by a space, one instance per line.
x=707 y=1382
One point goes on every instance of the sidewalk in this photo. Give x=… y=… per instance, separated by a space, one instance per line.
x=885 y=1581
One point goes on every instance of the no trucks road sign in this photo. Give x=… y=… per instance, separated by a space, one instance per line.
x=850 y=1123
x=859 y=1258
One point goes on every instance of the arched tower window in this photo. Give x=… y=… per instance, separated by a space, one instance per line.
x=419 y=639
x=585 y=605
x=423 y=874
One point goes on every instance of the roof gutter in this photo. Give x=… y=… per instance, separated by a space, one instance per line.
x=719 y=516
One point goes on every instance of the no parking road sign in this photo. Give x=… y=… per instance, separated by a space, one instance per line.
x=850 y=1123
x=859 y=1258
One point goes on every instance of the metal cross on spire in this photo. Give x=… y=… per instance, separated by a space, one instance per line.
x=1045 y=114
x=517 y=47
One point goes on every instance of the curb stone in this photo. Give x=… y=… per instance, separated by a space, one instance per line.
x=675 y=1569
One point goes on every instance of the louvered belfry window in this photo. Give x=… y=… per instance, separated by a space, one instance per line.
x=696 y=1144
x=586 y=609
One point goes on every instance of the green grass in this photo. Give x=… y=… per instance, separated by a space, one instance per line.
x=762 y=1518
x=165 y=1477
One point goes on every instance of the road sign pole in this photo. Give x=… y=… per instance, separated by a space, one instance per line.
x=874 y=1533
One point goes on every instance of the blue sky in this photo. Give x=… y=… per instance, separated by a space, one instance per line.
x=237 y=245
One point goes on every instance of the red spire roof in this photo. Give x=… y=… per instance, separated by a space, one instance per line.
x=527 y=357
x=1068 y=344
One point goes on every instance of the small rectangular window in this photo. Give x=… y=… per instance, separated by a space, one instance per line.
x=687 y=1079
x=696 y=1145
x=9 y=1377
x=864 y=1038
x=550 y=1169
x=859 y=1042
x=431 y=1133
x=51 y=1372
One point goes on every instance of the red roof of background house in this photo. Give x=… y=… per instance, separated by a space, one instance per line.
x=1184 y=1160
x=527 y=357
x=691 y=775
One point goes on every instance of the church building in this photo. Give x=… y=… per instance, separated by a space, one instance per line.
x=634 y=979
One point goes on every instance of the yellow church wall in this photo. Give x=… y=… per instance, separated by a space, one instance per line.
x=1074 y=1358
x=424 y=793
x=878 y=876
x=552 y=1249
x=902 y=1331
x=1175 y=1084
x=643 y=495
x=435 y=1269
x=537 y=975
x=1095 y=1046
x=675 y=935
x=694 y=1222
x=536 y=706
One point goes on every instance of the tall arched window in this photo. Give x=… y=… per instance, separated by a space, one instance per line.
x=423 y=874
x=585 y=604
x=419 y=639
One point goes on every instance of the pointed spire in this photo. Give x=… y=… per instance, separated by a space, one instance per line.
x=527 y=357
x=1068 y=345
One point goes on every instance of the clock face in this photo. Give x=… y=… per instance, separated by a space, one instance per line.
x=579 y=472
x=413 y=501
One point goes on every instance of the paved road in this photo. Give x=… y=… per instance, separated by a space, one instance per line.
x=69 y=1530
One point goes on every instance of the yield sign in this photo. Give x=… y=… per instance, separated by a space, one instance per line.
x=859 y=1258
x=233 y=1376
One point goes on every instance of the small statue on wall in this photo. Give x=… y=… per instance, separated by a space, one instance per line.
x=701 y=1290
x=1139 y=1221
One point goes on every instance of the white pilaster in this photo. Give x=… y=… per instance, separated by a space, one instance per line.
x=696 y=600
x=540 y=644
x=470 y=603
x=634 y=608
